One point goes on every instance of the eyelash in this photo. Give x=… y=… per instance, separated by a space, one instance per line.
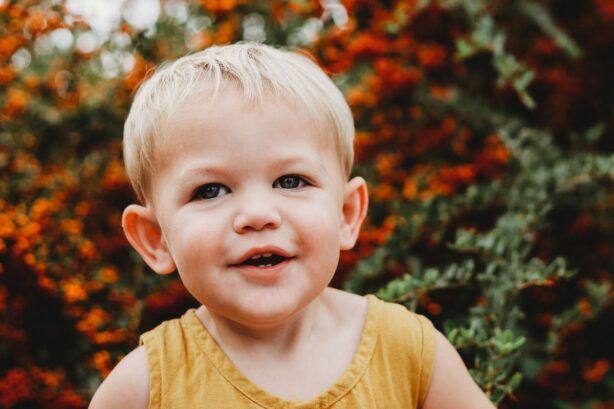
x=301 y=181
x=211 y=191
x=202 y=193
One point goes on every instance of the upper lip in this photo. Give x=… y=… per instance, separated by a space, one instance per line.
x=260 y=251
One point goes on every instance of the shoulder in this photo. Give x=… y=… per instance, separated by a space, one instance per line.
x=443 y=376
x=127 y=386
x=451 y=379
x=399 y=327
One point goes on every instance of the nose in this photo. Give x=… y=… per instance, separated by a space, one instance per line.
x=256 y=215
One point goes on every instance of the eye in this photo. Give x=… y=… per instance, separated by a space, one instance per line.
x=211 y=191
x=290 y=182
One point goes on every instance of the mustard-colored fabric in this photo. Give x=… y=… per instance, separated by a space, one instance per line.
x=391 y=367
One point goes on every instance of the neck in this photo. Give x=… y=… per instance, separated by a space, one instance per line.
x=276 y=338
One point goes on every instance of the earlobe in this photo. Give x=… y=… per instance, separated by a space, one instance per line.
x=143 y=232
x=355 y=204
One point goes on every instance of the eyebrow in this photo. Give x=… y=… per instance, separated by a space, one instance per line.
x=187 y=175
x=302 y=161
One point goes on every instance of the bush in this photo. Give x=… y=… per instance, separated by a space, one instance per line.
x=484 y=130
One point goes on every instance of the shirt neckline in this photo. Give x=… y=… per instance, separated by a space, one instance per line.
x=233 y=375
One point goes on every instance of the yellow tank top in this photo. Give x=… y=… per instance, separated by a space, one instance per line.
x=390 y=369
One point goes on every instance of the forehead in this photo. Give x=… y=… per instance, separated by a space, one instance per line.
x=201 y=120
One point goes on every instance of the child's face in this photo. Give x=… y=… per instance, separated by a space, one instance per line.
x=250 y=205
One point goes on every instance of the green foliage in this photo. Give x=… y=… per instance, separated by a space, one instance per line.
x=500 y=261
x=485 y=133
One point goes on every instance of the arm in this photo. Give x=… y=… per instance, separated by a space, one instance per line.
x=451 y=384
x=127 y=386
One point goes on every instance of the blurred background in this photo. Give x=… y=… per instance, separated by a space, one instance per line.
x=484 y=129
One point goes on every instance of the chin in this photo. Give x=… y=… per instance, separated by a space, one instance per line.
x=269 y=309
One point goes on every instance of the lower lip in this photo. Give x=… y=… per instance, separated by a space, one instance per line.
x=263 y=274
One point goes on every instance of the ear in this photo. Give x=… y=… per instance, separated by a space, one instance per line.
x=355 y=204
x=143 y=232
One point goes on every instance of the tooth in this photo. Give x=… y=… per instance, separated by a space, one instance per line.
x=256 y=257
x=268 y=265
x=267 y=254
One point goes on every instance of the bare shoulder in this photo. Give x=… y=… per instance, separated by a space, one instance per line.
x=127 y=386
x=451 y=383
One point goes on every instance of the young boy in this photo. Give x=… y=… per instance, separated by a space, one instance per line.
x=241 y=157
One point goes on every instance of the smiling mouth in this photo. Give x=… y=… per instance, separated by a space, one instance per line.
x=263 y=260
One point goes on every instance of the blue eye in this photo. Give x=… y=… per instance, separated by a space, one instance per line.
x=290 y=182
x=211 y=191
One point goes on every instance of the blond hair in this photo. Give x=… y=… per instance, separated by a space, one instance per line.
x=257 y=69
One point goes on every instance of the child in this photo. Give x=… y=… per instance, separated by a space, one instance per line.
x=241 y=156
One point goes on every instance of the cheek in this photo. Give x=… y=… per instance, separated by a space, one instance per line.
x=196 y=253
x=193 y=242
x=320 y=228
x=191 y=254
